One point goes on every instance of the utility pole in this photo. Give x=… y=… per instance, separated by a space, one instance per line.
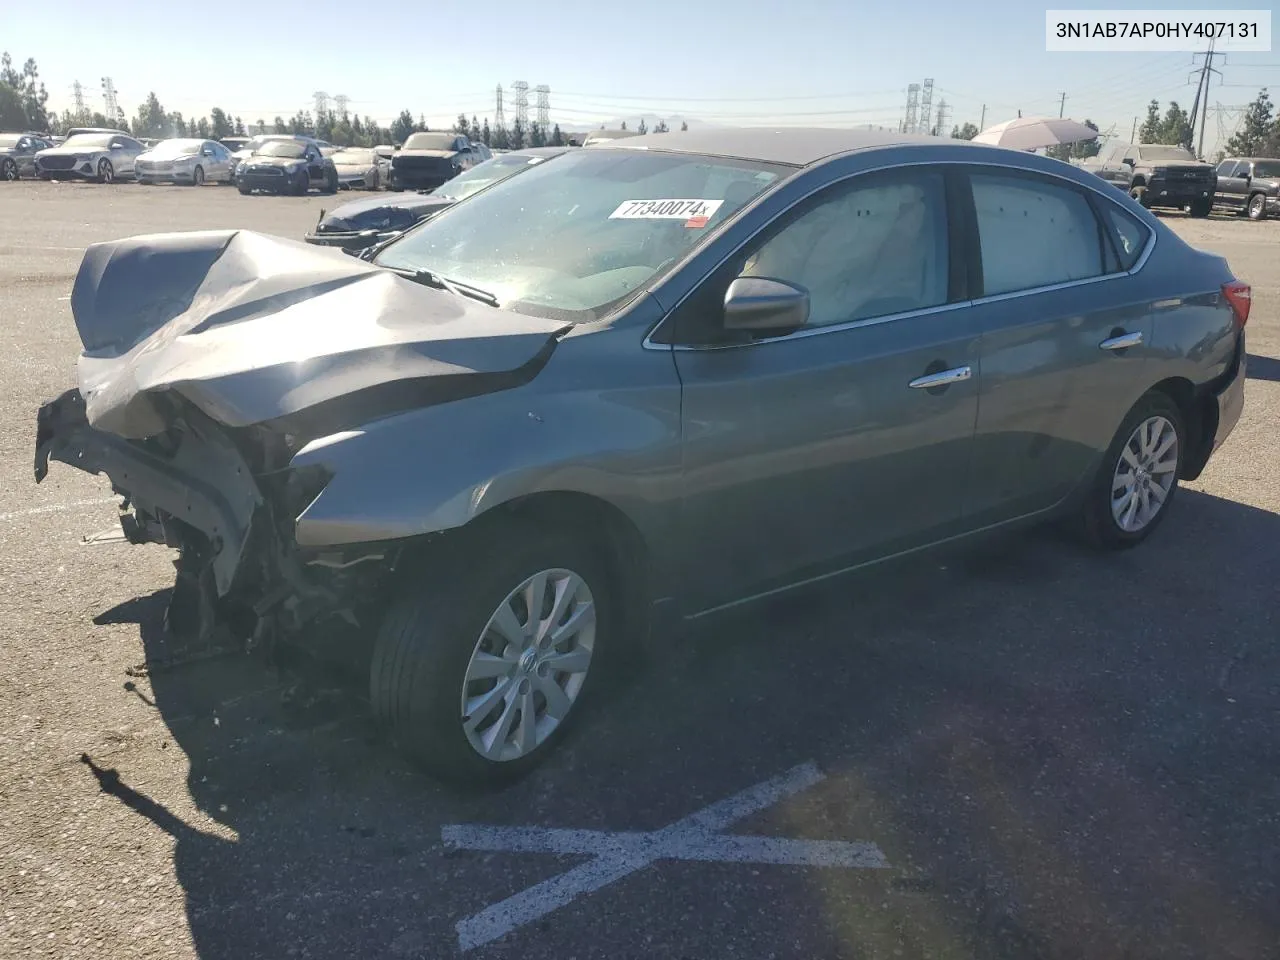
x=1134 y=132
x=81 y=112
x=1062 y=105
x=983 y=122
x=499 y=117
x=910 y=122
x=944 y=111
x=926 y=106
x=1200 y=106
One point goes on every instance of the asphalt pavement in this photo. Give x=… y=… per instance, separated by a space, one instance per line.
x=1024 y=750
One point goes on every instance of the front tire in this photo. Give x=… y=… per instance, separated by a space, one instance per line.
x=1138 y=477
x=1257 y=209
x=197 y=177
x=8 y=170
x=244 y=189
x=471 y=684
x=1201 y=208
x=1139 y=193
x=106 y=172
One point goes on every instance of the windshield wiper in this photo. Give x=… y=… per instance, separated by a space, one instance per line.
x=429 y=279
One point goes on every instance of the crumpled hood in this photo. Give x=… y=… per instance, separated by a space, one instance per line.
x=250 y=328
x=370 y=211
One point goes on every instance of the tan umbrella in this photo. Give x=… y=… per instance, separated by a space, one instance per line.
x=1031 y=133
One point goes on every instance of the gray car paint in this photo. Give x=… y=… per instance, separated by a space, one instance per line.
x=753 y=467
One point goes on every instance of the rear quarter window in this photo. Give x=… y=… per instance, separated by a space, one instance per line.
x=1127 y=237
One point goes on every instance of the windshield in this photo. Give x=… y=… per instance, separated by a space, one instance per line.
x=257 y=143
x=430 y=141
x=282 y=148
x=1165 y=153
x=576 y=238
x=177 y=148
x=483 y=174
x=353 y=156
x=1267 y=168
x=9 y=139
x=90 y=140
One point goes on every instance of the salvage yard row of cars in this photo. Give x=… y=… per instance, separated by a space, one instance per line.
x=1158 y=176
x=664 y=353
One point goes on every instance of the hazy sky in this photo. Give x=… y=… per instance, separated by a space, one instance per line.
x=814 y=62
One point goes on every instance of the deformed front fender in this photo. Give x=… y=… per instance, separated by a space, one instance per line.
x=437 y=468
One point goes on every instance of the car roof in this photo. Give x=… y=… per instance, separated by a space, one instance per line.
x=794 y=146
x=536 y=152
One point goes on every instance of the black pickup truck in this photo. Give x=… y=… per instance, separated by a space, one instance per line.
x=1249 y=185
x=1158 y=175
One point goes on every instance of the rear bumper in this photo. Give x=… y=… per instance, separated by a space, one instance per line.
x=1229 y=396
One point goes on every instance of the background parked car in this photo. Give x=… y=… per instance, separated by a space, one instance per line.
x=253 y=144
x=1157 y=175
x=102 y=157
x=18 y=154
x=184 y=160
x=358 y=168
x=234 y=143
x=429 y=159
x=1250 y=185
x=287 y=166
x=367 y=222
x=77 y=131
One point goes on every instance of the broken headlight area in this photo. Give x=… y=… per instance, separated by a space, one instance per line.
x=227 y=500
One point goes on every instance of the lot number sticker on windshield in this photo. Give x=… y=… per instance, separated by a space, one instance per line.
x=694 y=210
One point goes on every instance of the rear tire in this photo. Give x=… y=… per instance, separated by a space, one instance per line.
x=303 y=185
x=1257 y=208
x=1154 y=418
x=441 y=627
x=1139 y=193
x=331 y=182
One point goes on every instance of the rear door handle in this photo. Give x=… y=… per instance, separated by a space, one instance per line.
x=1122 y=342
x=941 y=379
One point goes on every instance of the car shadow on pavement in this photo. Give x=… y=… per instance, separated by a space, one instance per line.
x=1263 y=368
x=1060 y=753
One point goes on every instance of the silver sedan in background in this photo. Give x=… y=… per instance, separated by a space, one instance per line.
x=359 y=168
x=181 y=160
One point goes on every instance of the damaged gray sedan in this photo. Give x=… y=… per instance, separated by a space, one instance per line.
x=654 y=379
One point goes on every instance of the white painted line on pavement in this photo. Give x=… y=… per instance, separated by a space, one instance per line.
x=56 y=507
x=696 y=837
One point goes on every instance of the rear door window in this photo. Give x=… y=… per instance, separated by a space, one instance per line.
x=1034 y=233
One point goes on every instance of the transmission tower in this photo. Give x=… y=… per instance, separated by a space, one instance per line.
x=944 y=112
x=340 y=102
x=322 y=104
x=78 y=94
x=499 y=117
x=544 y=105
x=913 y=105
x=522 y=102
x=926 y=106
x=109 y=101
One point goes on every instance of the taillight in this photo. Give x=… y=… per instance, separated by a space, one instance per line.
x=1240 y=295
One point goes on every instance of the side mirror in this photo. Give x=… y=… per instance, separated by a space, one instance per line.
x=1128 y=161
x=763 y=305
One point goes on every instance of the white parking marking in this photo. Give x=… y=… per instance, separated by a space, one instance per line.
x=696 y=837
x=56 y=507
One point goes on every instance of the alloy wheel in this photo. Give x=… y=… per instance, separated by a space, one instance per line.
x=1257 y=207
x=1145 y=473
x=9 y=170
x=105 y=172
x=528 y=665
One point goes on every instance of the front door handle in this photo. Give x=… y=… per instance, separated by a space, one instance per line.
x=941 y=379
x=1122 y=342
